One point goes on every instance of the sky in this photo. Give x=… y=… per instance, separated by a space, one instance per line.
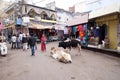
x=64 y=4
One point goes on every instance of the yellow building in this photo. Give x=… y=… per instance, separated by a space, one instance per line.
x=110 y=16
x=112 y=22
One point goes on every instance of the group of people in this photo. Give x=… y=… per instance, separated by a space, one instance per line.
x=26 y=41
x=19 y=41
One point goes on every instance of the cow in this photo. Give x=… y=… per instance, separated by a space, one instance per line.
x=60 y=55
x=68 y=44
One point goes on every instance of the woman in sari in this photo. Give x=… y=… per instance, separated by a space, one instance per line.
x=43 y=43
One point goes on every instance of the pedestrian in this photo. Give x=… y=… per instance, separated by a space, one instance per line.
x=21 y=37
x=32 y=42
x=28 y=43
x=18 y=42
x=24 y=42
x=36 y=41
x=43 y=42
x=13 y=42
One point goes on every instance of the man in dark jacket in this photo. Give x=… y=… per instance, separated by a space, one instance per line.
x=24 y=41
x=32 y=41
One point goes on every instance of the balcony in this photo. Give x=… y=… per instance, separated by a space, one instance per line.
x=43 y=20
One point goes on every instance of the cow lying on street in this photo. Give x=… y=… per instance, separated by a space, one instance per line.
x=60 y=55
x=68 y=44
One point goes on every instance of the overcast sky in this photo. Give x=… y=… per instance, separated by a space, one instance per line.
x=59 y=3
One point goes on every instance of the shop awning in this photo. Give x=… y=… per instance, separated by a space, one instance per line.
x=38 y=26
x=83 y=18
x=59 y=27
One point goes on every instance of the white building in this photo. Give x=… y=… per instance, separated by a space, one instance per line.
x=63 y=16
x=80 y=7
x=102 y=7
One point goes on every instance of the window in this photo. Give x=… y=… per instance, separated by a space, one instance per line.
x=44 y=15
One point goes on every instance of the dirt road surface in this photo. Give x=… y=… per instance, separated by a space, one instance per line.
x=20 y=65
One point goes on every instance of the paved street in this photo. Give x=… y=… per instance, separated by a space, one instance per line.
x=19 y=65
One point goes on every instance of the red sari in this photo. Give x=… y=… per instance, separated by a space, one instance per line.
x=43 y=45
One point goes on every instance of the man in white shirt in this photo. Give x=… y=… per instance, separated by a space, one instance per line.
x=13 y=42
x=21 y=37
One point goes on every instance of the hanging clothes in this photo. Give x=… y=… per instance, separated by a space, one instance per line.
x=69 y=30
x=86 y=38
x=85 y=27
x=96 y=32
x=65 y=30
x=80 y=28
x=74 y=29
x=81 y=34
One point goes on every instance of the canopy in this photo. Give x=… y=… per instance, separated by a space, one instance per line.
x=82 y=18
x=38 y=26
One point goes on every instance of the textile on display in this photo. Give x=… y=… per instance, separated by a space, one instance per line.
x=80 y=28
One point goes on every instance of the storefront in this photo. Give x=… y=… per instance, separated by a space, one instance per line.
x=79 y=28
x=39 y=29
x=107 y=28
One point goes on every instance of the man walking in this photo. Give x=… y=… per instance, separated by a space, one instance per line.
x=13 y=42
x=32 y=41
x=24 y=41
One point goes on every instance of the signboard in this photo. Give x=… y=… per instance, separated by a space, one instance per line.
x=82 y=18
x=26 y=19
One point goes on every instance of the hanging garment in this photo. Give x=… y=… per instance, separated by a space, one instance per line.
x=80 y=28
x=65 y=30
x=74 y=29
x=96 y=32
x=69 y=30
x=82 y=34
x=85 y=27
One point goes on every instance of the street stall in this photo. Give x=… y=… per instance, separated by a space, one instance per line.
x=79 y=28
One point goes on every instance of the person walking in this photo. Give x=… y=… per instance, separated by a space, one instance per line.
x=43 y=42
x=32 y=42
x=28 y=43
x=21 y=37
x=13 y=42
x=36 y=41
x=18 y=42
x=24 y=41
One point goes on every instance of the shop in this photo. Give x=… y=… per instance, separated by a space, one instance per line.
x=79 y=28
x=38 y=28
x=8 y=31
x=105 y=30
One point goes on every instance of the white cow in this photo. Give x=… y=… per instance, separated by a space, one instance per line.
x=60 y=55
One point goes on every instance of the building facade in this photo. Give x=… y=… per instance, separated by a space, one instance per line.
x=40 y=19
x=63 y=17
x=106 y=13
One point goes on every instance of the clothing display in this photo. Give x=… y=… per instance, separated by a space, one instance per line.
x=96 y=32
x=80 y=28
x=74 y=29
x=85 y=27
x=65 y=30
